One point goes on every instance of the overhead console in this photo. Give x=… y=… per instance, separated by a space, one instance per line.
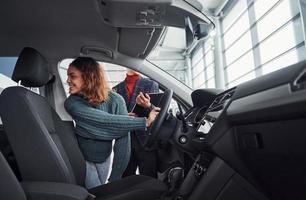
x=144 y=21
x=154 y=14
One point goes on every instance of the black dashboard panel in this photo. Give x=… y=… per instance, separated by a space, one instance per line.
x=277 y=103
x=270 y=97
x=267 y=122
x=274 y=152
x=272 y=80
x=258 y=130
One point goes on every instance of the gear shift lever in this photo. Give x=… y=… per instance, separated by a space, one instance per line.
x=175 y=177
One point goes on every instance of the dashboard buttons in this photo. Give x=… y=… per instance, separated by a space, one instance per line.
x=199 y=170
x=183 y=139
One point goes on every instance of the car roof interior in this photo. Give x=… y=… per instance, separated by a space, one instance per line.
x=60 y=29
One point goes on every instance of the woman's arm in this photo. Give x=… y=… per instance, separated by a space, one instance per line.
x=93 y=118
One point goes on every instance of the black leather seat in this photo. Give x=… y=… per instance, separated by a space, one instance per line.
x=9 y=185
x=11 y=189
x=45 y=146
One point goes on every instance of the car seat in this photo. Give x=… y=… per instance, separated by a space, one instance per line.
x=45 y=147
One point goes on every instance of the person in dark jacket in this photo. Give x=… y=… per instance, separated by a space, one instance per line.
x=100 y=116
x=134 y=90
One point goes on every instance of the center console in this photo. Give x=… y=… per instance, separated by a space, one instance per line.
x=211 y=177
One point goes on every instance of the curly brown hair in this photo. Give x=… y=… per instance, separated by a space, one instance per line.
x=95 y=89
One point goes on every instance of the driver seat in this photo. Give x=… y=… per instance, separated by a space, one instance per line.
x=45 y=147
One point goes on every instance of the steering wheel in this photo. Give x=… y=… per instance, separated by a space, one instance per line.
x=153 y=129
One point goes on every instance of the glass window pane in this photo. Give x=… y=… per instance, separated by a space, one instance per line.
x=234 y=13
x=287 y=59
x=210 y=71
x=262 y=6
x=286 y=38
x=198 y=68
x=243 y=79
x=6 y=70
x=180 y=34
x=240 y=47
x=242 y=66
x=114 y=73
x=5 y=82
x=196 y=56
x=198 y=80
x=236 y=30
x=211 y=83
x=279 y=16
x=203 y=85
x=209 y=57
x=7 y=65
x=208 y=45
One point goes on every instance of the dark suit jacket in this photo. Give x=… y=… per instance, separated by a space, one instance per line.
x=142 y=85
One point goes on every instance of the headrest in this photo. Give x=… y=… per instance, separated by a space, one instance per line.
x=31 y=69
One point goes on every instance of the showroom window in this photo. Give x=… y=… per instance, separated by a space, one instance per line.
x=260 y=37
x=202 y=65
x=6 y=70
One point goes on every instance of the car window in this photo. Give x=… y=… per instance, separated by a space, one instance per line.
x=115 y=74
x=7 y=65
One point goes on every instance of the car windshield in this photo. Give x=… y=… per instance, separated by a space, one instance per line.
x=170 y=54
x=238 y=47
x=243 y=45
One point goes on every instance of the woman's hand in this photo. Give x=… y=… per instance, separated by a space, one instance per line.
x=132 y=114
x=143 y=100
x=152 y=116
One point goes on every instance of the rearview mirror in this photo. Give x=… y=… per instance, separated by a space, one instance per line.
x=189 y=32
x=198 y=31
x=203 y=30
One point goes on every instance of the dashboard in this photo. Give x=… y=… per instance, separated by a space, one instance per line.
x=203 y=116
x=212 y=113
x=257 y=129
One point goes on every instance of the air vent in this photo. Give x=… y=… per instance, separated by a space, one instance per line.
x=227 y=96
x=300 y=82
x=219 y=102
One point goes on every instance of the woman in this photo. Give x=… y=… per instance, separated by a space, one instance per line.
x=100 y=116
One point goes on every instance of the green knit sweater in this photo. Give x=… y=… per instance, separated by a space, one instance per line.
x=96 y=127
